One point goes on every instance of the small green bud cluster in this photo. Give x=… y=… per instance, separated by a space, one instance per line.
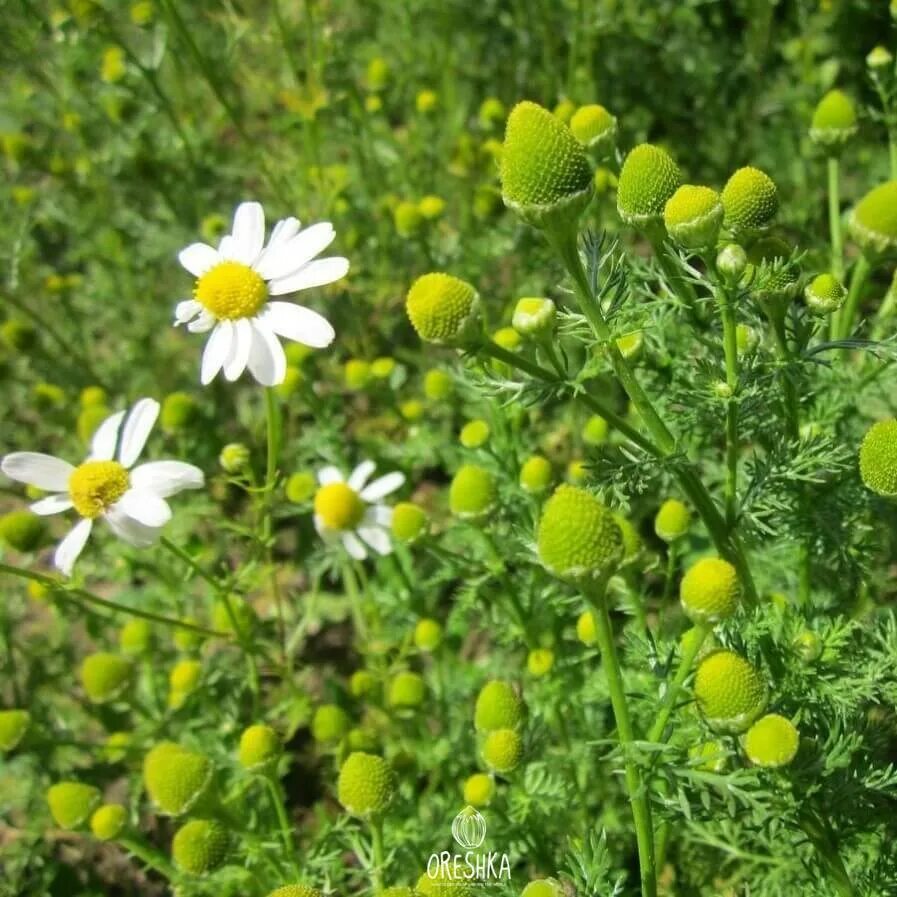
x=730 y=693
x=441 y=308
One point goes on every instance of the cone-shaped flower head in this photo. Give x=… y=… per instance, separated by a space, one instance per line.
x=22 y=530
x=772 y=741
x=297 y=891
x=834 y=121
x=536 y=474
x=578 y=537
x=330 y=723
x=878 y=458
x=594 y=127
x=409 y=521
x=730 y=693
x=586 y=630
x=648 y=179
x=13 y=726
x=479 y=789
x=427 y=634
x=260 y=747
x=105 y=676
x=710 y=591
x=672 y=520
x=175 y=777
x=472 y=492
x=873 y=222
x=498 y=706
x=502 y=750
x=366 y=785
x=750 y=200
x=545 y=175
x=693 y=216
x=442 y=309
x=107 y=822
x=200 y=846
x=824 y=294
x=406 y=691
x=71 y=803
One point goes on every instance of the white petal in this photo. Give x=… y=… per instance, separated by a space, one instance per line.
x=239 y=351
x=37 y=469
x=377 y=538
x=228 y=248
x=248 y=231
x=186 y=311
x=166 y=478
x=71 y=546
x=105 y=438
x=52 y=504
x=289 y=256
x=136 y=430
x=314 y=274
x=145 y=507
x=330 y=474
x=361 y=475
x=205 y=322
x=216 y=351
x=266 y=359
x=352 y=544
x=379 y=515
x=129 y=530
x=383 y=486
x=284 y=231
x=197 y=258
x=298 y=323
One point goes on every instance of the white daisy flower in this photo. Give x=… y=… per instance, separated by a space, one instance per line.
x=233 y=290
x=132 y=502
x=348 y=510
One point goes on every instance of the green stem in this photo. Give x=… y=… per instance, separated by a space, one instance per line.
x=892 y=152
x=689 y=652
x=274 y=427
x=275 y=790
x=350 y=584
x=858 y=279
x=834 y=218
x=730 y=348
x=641 y=809
x=153 y=858
x=377 y=851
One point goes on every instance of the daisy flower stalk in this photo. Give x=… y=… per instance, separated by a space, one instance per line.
x=232 y=297
x=132 y=500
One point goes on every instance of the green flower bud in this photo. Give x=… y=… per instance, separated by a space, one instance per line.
x=376 y=77
x=442 y=309
x=356 y=373
x=427 y=635
x=693 y=217
x=747 y=339
x=330 y=723
x=407 y=219
x=578 y=537
x=412 y=410
x=406 y=691
x=586 y=630
x=632 y=541
x=533 y=316
x=183 y=680
x=108 y=822
x=730 y=693
x=105 y=676
x=13 y=726
x=807 y=645
x=648 y=179
x=71 y=803
x=234 y=458
x=535 y=474
x=409 y=521
x=710 y=591
x=135 y=637
x=382 y=368
x=543 y=887
x=362 y=683
x=834 y=121
x=772 y=741
x=176 y=778
x=437 y=385
x=22 y=530
x=93 y=395
x=731 y=262
x=498 y=706
x=878 y=458
x=594 y=127
x=472 y=492
x=502 y=750
x=873 y=221
x=539 y=662
x=474 y=434
x=431 y=207
x=595 y=430
x=630 y=344
x=479 y=790
x=89 y=419
x=260 y=748
x=879 y=59
x=545 y=175
x=296 y=891
x=200 y=846
x=301 y=487
x=179 y=410
x=366 y=785
x=426 y=101
x=772 y=280
x=750 y=200
x=672 y=520
x=824 y=294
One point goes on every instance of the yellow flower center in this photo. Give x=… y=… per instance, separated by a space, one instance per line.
x=231 y=290
x=95 y=486
x=339 y=506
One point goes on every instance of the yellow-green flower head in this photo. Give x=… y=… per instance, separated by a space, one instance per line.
x=632 y=541
x=437 y=385
x=539 y=662
x=412 y=410
x=594 y=127
x=382 y=368
x=472 y=492
x=366 y=785
x=89 y=419
x=71 y=803
x=492 y=113
x=578 y=537
x=376 y=76
x=543 y=887
x=873 y=221
x=426 y=101
x=693 y=216
x=142 y=12
x=442 y=309
x=105 y=676
x=200 y=846
x=479 y=789
x=536 y=474
x=183 y=680
x=22 y=530
x=595 y=430
x=409 y=521
x=878 y=458
x=834 y=121
x=330 y=723
x=431 y=207
x=179 y=410
x=135 y=637
x=751 y=201
x=296 y=891
x=356 y=373
x=260 y=747
x=807 y=645
x=474 y=434
x=502 y=750
x=824 y=294
x=301 y=487
x=13 y=726
x=108 y=821
x=672 y=520
x=586 y=630
x=648 y=179
x=730 y=693
x=113 y=66
x=407 y=218
x=545 y=175
x=18 y=335
x=175 y=778
x=427 y=634
x=879 y=58
x=710 y=591
x=533 y=315
x=498 y=706
x=362 y=683
x=772 y=741
x=234 y=457
x=93 y=395
x=406 y=691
